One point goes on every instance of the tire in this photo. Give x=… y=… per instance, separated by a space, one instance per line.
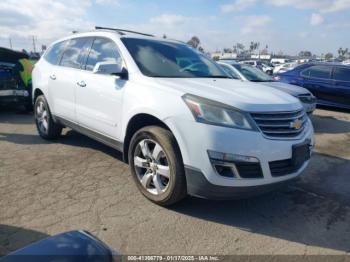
x=45 y=124
x=156 y=165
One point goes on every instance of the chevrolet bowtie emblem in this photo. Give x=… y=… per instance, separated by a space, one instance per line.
x=296 y=124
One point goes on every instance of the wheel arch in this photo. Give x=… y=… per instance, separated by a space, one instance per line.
x=137 y=122
x=37 y=92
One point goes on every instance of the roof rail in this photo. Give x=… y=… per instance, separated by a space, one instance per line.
x=121 y=31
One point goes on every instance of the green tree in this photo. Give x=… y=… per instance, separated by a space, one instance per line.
x=253 y=46
x=343 y=52
x=194 y=42
x=305 y=54
x=328 y=56
x=238 y=48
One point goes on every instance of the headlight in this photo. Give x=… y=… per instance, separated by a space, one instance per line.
x=215 y=113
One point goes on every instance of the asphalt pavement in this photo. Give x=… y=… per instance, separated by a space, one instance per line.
x=76 y=183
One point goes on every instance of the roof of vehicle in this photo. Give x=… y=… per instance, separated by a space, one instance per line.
x=249 y=60
x=234 y=64
x=324 y=64
x=227 y=62
x=11 y=56
x=227 y=59
x=120 y=33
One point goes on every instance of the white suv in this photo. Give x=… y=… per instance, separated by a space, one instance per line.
x=182 y=125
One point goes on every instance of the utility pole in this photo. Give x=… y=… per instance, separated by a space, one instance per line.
x=34 y=48
x=10 y=42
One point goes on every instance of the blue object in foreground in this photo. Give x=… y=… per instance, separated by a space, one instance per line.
x=71 y=246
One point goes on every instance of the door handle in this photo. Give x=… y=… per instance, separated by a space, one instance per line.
x=81 y=83
x=53 y=77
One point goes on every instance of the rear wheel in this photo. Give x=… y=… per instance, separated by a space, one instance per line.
x=45 y=124
x=156 y=165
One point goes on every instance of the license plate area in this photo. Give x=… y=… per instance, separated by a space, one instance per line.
x=301 y=153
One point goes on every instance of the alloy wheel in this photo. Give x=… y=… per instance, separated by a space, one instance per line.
x=42 y=117
x=152 y=166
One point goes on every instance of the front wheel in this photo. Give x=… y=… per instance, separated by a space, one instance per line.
x=45 y=124
x=156 y=165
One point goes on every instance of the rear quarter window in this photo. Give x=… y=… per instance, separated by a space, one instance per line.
x=342 y=74
x=73 y=52
x=323 y=72
x=53 y=55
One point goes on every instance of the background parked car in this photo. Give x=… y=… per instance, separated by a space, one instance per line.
x=284 y=67
x=330 y=83
x=279 y=61
x=15 y=78
x=261 y=65
x=252 y=74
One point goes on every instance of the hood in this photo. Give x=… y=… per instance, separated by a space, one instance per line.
x=242 y=95
x=290 y=89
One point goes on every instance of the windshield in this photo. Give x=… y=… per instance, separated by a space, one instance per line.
x=229 y=71
x=157 y=58
x=252 y=73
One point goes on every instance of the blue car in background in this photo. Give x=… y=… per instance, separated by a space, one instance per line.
x=330 y=83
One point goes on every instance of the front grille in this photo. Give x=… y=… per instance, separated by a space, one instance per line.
x=8 y=83
x=284 y=167
x=307 y=98
x=281 y=124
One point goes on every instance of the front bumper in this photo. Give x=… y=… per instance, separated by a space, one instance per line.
x=199 y=186
x=14 y=96
x=195 y=139
x=14 y=93
x=309 y=107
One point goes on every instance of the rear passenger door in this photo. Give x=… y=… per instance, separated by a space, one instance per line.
x=63 y=79
x=341 y=76
x=99 y=96
x=318 y=80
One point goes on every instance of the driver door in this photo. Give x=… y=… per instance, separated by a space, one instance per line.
x=99 y=96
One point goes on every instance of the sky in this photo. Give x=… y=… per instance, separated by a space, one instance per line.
x=290 y=26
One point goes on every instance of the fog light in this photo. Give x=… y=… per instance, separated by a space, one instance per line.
x=226 y=171
x=235 y=166
x=231 y=157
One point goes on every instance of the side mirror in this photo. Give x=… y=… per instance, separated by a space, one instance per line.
x=110 y=68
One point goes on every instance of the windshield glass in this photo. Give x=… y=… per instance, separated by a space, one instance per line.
x=229 y=71
x=157 y=58
x=253 y=74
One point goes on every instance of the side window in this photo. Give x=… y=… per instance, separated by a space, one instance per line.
x=72 y=54
x=305 y=72
x=53 y=55
x=342 y=74
x=318 y=72
x=102 y=50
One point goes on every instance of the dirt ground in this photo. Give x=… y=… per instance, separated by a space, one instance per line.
x=76 y=183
